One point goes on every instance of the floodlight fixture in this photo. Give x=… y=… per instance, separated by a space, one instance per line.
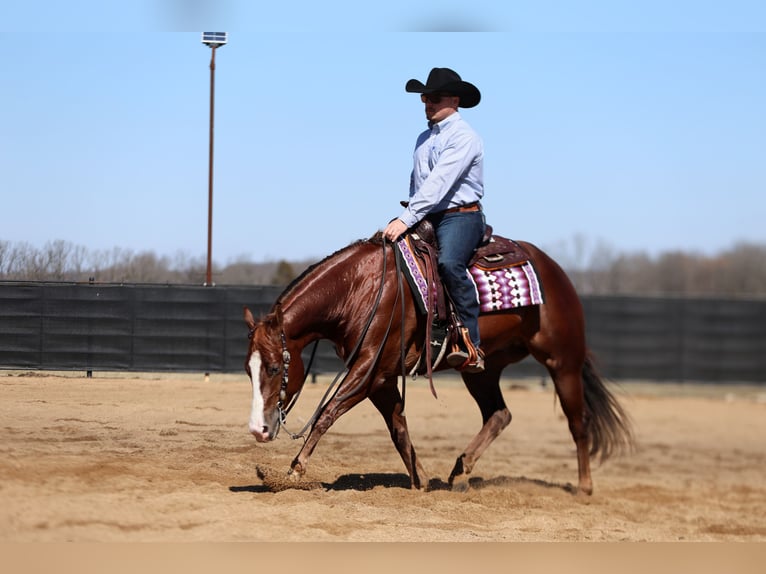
x=214 y=39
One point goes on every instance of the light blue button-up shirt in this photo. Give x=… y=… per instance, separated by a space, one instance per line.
x=448 y=169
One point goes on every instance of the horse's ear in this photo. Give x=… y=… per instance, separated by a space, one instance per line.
x=274 y=319
x=249 y=319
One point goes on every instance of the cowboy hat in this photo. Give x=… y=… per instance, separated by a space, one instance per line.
x=448 y=81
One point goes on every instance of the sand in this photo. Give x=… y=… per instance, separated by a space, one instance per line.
x=168 y=458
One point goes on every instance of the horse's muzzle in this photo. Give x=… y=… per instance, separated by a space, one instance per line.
x=265 y=433
x=264 y=426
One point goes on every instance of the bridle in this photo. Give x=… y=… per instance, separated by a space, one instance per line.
x=285 y=367
x=281 y=409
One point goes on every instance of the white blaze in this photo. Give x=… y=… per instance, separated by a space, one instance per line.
x=257 y=421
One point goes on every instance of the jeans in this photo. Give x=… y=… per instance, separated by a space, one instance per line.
x=459 y=234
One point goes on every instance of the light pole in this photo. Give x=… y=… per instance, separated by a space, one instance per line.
x=213 y=40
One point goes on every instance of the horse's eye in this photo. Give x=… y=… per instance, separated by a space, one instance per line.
x=273 y=370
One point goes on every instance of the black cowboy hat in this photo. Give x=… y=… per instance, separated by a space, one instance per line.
x=447 y=81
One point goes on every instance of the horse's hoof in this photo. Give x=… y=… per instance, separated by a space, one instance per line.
x=277 y=481
x=584 y=493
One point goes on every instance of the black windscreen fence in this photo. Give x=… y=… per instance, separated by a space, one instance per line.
x=678 y=339
x=126 y=327
x=103 y=327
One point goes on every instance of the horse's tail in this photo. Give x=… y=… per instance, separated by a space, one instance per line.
x=610 y=426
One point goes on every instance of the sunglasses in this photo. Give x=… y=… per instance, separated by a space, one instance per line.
x=434 y=98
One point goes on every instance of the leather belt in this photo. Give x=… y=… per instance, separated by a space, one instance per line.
x=475 y=206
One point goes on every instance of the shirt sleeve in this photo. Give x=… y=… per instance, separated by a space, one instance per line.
x=452 y=163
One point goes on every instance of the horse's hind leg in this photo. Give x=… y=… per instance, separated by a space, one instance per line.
x=485 y=389
x=569 y=387
x=389 y=403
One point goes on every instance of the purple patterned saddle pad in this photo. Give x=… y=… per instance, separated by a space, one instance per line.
x=507 y=288
x=497 y=289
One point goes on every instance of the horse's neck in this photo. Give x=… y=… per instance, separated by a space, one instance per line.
x=318 y=304
x=307 y=315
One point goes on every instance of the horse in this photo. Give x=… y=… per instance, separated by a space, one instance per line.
x=355 y=299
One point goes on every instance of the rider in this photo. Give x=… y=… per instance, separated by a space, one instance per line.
x=446 y=186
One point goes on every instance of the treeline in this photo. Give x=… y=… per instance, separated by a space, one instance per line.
x=738 y=271
x=64 y=261
x=599 y=270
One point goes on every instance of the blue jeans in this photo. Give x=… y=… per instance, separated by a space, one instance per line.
x=459 y=234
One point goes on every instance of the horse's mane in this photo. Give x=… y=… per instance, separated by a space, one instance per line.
x=376 y=239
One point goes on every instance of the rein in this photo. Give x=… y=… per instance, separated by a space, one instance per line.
x=335 y=386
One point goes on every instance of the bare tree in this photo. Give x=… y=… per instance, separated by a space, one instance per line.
x=284 y=274
x=5 y=249
x=742 y=270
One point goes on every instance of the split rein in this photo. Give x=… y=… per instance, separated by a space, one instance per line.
x=335 y=386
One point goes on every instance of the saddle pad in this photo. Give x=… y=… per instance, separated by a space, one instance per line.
x=415 y=276
x=507 y=288
x=497 y=290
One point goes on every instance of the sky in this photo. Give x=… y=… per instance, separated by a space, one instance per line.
x=639 y=126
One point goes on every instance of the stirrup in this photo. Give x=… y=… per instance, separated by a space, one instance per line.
x=476 y=366
x=464 y=356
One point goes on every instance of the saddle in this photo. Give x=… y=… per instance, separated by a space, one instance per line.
x=443 y=326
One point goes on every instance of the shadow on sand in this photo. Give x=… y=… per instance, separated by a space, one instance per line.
x=362 y=482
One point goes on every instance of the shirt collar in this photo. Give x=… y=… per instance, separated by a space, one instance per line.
x=445 y=123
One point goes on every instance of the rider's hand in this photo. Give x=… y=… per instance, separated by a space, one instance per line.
x=394 y=229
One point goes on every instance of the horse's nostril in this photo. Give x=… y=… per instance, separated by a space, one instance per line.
x=265 y=429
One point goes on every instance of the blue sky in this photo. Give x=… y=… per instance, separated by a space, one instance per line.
x=640 y=126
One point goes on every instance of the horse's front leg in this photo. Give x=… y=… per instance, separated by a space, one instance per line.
x=388 y=401
x=331 y=412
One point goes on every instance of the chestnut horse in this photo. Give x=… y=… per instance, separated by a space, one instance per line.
x=355 y=299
